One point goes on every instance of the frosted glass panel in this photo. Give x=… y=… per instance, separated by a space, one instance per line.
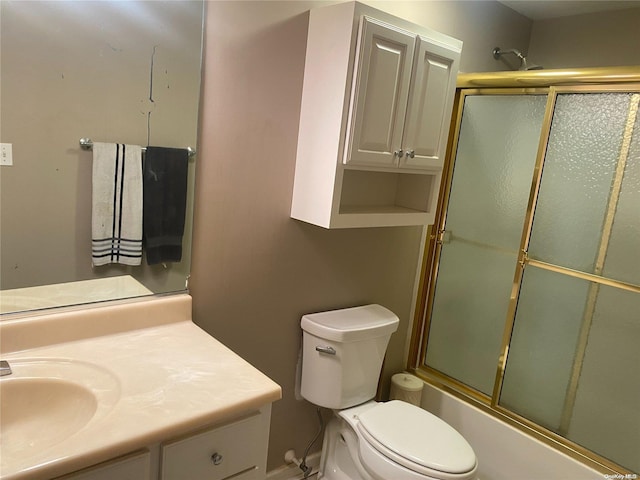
x=605 y=415
x=543 y=344
x=498 y=143
x=583 y=150
x=623 y=260
x=489 y=195
x=469 y=311
x=572 y=364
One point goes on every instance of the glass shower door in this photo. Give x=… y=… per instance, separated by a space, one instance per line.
x=478 y=246
x=533 y=300
x=572 y=364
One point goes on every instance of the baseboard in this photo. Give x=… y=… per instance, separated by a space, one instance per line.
x=293 y=472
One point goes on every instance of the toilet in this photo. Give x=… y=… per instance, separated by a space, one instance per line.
x=342 y=354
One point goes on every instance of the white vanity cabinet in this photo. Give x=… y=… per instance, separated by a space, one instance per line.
x=236 y=449
x=170 y=401
x=376 y=107
x=136 y=466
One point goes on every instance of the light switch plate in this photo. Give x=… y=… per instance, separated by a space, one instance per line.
x=6 y=154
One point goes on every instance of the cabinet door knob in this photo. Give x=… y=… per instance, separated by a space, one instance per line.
x=398 y=153
x=216 y=458
x=410 y=154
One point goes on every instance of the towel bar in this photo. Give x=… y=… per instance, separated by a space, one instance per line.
x=87 y=144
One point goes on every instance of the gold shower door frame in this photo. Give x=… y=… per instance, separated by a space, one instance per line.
x=550 y=83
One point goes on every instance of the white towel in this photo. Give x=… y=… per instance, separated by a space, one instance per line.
x=116 y=223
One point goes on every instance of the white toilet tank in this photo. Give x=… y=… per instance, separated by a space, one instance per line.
x=342 y=354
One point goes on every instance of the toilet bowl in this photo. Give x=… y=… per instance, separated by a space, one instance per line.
x=394 y=441
x=366 y=440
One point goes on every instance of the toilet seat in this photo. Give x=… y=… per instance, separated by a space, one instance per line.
x=415 y=439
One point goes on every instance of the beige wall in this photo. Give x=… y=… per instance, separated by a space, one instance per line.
x=481 y=25
x=592 y=40
x=256 y=271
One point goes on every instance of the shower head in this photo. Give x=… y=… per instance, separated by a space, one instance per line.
x=525 y=66
x=497 y=54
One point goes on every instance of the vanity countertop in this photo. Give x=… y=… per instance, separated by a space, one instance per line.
x=158 y=376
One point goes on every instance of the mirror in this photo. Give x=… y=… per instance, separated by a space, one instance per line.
x=113 y=71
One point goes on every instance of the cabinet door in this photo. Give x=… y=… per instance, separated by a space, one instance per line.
x=379 y=97
x=429 y=106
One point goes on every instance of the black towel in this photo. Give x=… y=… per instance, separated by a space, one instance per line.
x=164 y=203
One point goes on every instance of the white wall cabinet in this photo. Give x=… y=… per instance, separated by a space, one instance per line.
x=376 y=106
x=430 y=104
x=237 y=450
x=380 y=94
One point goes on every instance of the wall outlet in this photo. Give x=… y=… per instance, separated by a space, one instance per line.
x=6 y=154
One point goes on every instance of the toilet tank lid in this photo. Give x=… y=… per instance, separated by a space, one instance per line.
x=351 y=324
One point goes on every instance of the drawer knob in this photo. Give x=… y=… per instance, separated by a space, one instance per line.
x=216 y=458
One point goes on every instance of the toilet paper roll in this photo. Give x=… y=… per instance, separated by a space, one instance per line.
x=406 y=387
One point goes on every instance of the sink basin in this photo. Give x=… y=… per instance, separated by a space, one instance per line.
x=36 y=413
x=47 y=400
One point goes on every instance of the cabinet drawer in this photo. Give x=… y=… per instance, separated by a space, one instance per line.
x=235 y=447
x=131 y=467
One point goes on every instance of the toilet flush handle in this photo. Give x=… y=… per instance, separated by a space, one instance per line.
x=328 y=350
